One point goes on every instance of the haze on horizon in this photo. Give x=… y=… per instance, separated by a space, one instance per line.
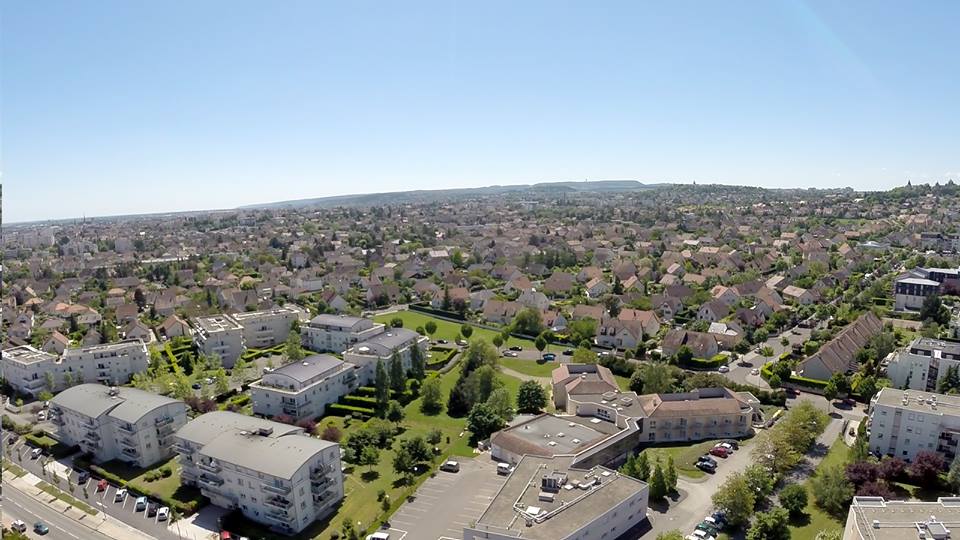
x=113 y=107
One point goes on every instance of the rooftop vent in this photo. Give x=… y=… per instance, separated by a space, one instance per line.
x=572 y=424
x=561 y=434
x=576 y=441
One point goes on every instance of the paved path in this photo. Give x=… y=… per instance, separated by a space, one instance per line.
x=524 y=377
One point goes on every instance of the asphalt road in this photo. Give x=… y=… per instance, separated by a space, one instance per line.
x=17 y=505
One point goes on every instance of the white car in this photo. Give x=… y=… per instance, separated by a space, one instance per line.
x=163 y=513
x=42 y=415
x=35 y=453
x=19 y=526
x=120 y=494
x=723 y=369
x=379 y=535
x=727 y=446
x=511 y=354
x=754 y=371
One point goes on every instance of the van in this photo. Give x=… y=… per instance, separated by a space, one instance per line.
x=450 y=466
x=503 y=468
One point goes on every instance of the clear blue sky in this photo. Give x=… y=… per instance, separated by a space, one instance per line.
x=113 y=107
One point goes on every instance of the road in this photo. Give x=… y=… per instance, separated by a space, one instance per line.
x=740 y=371
x=18 y=505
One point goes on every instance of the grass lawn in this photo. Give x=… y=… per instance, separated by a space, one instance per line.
x=55 y=492
x=445 y=329
x=817 y=520
x=684 y=456
x=13 y=469
x=534 y=368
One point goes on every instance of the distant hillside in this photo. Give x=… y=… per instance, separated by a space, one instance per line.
x=371 y=199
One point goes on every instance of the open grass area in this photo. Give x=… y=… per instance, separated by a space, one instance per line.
x=534 y=368
x=815 y=519
x=55 y=492
x=445 y=329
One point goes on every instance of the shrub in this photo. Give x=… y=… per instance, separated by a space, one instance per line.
x=339 y=409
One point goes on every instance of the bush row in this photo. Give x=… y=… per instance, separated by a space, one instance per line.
x=339 y=409
x=359 y=401
x=702 y=363
x=253 y=354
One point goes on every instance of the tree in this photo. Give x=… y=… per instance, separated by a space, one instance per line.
x=670 y=475
x=868 y=387
x=222 y=385
x=793 y=497
x=369 y=456
x=418 y=364
x=466 y=331
x=497 y=341
x=347 y=532
x=654 y=378
x=830 y=391
x=862 y=472
x=934 y=311
x=483 y=421
x=481 y=383
x=292 y=349
x=398 y=382
x=501 y=402
x=331 y=433
x=583 y=356
x=658 y=483
x=684 y=355
x=736 y=499
x=459 y=400
x=382 y=386
x=831 y=489
x=396 y=322
x=540 y=343
x=418 y=449
x=925 y=468
x=770 y=525
x=395 y=412
x=774 y=381
x=892 y=468
x=531 y=397
x=479 y=353
x=240 y=371
x=582 y=329
x=528 y=321
x=403 y=463
x=759 y=479
x=48 y=382
x=431 y=399
x=431 y=328
x=643 y=467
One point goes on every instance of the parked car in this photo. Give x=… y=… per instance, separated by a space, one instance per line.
x=708 y=459
x=516 y=348
x=504 y=468
x=35 y=453
x=102 y=485
x=723 y=369
x=717 y=524
x=19 y=526
x=141 y=504
x=41 y=416
x=726 y=446
x=707 y=528
x=40 y=528
x=754 y=371
x=163 y=513
x=208 y=380
x=568 y=352
x=442 y=341
x=707 y=466
x=119 y=495
x=152 y=509
x=702 y=535
x=718 y=451
x=510 y=354
x=379 y=535
x=82 y=477
x=549 y=357
x=196 y=386
x=450 y=466
x=732 y=442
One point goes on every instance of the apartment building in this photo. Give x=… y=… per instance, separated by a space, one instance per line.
x=264 y=329
x=912 y=288
x=922 y=364
x=32 y=371
x=219 y=335
x=274 y=473
x=906 y=422
x=118 y=423
x=303 y=389
x=337 y=333
x=550 y=498
x=365 y=354
x=940 y=241
x=874 y=518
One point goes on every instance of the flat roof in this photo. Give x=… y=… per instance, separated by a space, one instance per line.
x=625 y=403
x=310 y=367
x=933 y=344
x=216 y=323
x=916 y=400
x=549 y=435
x=265 y=313
x=125 y=404
x=27 y=354
x=204 y=428
x=874 y=518
x=117 y=346
x=391 y=339
x=572 y=507
x=340 y=321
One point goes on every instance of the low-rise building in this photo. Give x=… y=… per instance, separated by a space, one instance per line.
x=274 y=473
x=839 y=355
x=549 y=498
x=912 y=288
x=118 y=423
x=904 y=423
x=264 y=329
x=874 y=518
x=219 y=335
x=365 y=354
x=303 y=389
x=337 y=333
x=922 y=364
x=31 y=371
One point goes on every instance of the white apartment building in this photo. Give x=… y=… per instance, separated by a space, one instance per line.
x=263 y=329
x=303 y=389
x=337 y=333
x=551 y=499
x=874 y=518
x=906 y=422
x=922 y=364
x=118 y=423
x=219 y=335
x=31 y=371
x=273 y=473
x=381 y=347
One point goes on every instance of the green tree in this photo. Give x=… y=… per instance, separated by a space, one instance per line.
x=369 y=456
x=774 y=381
x=483 y=421
x=398 y=383
x=481 y=383
x=830 y=391
x=759 y=479
x=292 y=349
x=240 y=371
x=48 y=382
x=223 y=386
x=582 y=329
x=653 y=378
x=531 y=397
x=772 y=525
x=643 y=467
x=403 y=463
x=497 y=341
x=670 y=475
x=658 y=484
x=431 y=396
x=684 y=355
x=793 y=497
x=395 y=412
x=934 y=311
x=831 y=489
x=583 y=356
x=528 y=321
x=382 y=385
x=431 y=328
x=466 y=331
x=736 y=499
x=501 y=402
x=540 y=344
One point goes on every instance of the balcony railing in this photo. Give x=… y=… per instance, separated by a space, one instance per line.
x=322 y=497
x=214 y=481
x=91 y=435
x=165 y=430
x=88 y=424
x=278 y=502
x=209 y=467
x=181 y=449
x=279 y=517
x=124 y=428
x=129 y=443
x=132 y=452
x=163 y=421
x=280 y=490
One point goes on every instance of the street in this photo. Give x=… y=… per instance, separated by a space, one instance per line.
x=17 y=505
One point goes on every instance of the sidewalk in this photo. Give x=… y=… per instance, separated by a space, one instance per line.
x=99 y=522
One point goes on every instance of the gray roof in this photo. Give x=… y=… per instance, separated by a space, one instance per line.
x=328 y=319
x=232 y=438
x=94 y=400
x=309 y=367
x=392 y=338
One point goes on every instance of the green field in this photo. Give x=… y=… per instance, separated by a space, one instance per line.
x=817 y=520
x=445 y=329
x=534 y=368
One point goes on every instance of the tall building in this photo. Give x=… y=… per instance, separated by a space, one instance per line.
x=303 y=389
x=273 y=473
x=922 y=364
x=904 y=423
x=873 y=518
x=219 y=335
x=31 y=371
x=337 y=333
x=118 y=422
x=912 y=288
x=264 y=329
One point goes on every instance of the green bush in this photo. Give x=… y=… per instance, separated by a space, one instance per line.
x=359 y=401
x=339 y=409
x=700 y=363
x=183 y=507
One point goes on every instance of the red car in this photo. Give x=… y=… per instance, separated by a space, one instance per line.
x=101 y=485
x=718 y=451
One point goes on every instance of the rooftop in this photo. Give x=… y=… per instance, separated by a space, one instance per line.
x=340 y=321
x=242 y=316
x=107 y=347
x=394 y=338
x=310 y=367
x=124 y=404
x=549 y=435
x=26 y=354
x=873 y=518
x=916 y=400
x=216 y=323
x=582 y=497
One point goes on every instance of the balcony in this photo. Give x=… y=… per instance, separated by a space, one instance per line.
x=279 y=516
x=128 y=443
x=126 y=428
x=188 y=476
x=322 y=497
x=166 y=420
x=210 y=481
x=278 y=502
x=181 y=449
x=212 y=467
x=88 y=424
x=91 y=435
x=131 y=452
x=279 y=490
x=34 y=384
x=90 y=446
x=164 y=431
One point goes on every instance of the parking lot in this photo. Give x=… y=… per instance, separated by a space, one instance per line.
x=448 y=502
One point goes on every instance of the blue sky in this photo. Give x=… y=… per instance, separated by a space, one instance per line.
x=116 y=107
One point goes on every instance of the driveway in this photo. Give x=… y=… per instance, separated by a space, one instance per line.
x=753 y=360
x=448 y=502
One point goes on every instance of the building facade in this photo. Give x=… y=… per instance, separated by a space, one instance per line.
x=118 y=422
x=264 y=329
x=904 y=423
x=912 y=288
x=274 y=473
x=381 y=347
x=874 y=518
x=922 y=364
x=337 y=333
x=219 y=335
x=31 y=371
x=303 y=389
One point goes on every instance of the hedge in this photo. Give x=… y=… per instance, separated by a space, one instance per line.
x=700 y=363
x=359 y=401
x=766 y=371
x=339 y=409
x=253 y=354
